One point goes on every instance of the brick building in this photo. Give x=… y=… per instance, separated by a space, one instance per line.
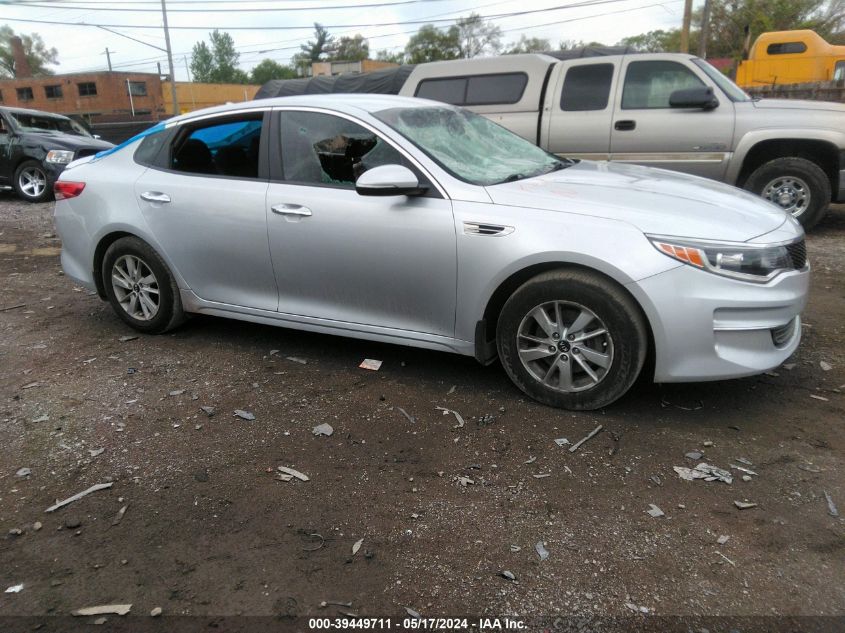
x=99 y=96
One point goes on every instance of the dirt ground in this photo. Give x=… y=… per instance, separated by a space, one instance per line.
x=209 y=531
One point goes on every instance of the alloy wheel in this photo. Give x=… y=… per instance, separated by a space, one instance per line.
x=565 y=346
x=32 y=181
x=135 y=287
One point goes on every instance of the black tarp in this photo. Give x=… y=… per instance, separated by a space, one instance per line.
x=388 y=81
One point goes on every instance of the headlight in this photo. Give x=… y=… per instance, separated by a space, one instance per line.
x=740 y=261
x=59 y=156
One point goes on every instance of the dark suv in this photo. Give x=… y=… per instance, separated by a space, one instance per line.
x=35 y=147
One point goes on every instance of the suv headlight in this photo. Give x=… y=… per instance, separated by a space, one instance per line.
x=740 y=261
x=59 y=156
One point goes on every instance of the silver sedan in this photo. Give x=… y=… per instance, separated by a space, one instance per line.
x=408 y=221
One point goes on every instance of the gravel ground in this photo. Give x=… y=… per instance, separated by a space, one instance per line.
x=442 y=509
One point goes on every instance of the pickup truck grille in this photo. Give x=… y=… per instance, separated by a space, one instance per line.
x=798 y=253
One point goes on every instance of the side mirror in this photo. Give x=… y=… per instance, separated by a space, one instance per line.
x=694 y=98
x=388 y=180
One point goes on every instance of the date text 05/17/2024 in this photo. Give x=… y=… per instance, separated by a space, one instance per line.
x=418 y=624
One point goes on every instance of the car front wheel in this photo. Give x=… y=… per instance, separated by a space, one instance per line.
x=140 y=287
x=572 y=339
x=31 y=182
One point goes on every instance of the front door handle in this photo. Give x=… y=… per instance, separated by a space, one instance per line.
x=291 y=209
x=155 y=196
x=625 y=126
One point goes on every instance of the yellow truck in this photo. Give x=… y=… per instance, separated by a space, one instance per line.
x=791 y=57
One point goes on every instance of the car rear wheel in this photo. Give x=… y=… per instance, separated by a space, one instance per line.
x=572 y=339
x=31 y=182
x=140 y=287
x=796 y=185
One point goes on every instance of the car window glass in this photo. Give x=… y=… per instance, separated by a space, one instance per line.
x=649 y=84
x=586 y=88
x=227 y=148
x=839 y=72
x=451 y=91
x=324 y=149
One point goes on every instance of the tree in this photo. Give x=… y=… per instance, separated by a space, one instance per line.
x=313 y=50
x=350 y=49
x=430 y=44
x=659 y=41
x=37 y=54
x=269 y=69
x=385 y=55
x=217 y=63
x=478 y=37
x=529 y=45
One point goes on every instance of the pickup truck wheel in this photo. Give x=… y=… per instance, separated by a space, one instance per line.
x=571 y=339
x=796 y=185
x=140 y=288
x=31 y=182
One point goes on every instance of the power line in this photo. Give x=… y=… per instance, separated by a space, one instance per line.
x=586 y=3
x=230 y=10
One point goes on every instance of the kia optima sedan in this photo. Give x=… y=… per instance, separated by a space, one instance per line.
x=409 y=221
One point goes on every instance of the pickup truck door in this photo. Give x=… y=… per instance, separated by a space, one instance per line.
x=647 y=131
x=578 y=111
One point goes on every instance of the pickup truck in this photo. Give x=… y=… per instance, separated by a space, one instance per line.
x=659 y=109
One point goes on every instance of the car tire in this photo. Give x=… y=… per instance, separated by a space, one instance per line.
x=140 y=287
x=799 y=186
x=555 y=362
x=31 y=182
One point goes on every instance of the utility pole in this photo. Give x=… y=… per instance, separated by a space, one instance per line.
x=705 y=30
x=170 y=59
x=684 y=28
x=108 y=57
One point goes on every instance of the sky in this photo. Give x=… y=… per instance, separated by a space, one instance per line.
x=82 y=48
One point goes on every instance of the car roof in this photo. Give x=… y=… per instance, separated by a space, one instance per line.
x=33 y=112
x=342 y=102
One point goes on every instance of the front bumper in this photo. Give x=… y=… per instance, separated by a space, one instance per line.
x=709 y=327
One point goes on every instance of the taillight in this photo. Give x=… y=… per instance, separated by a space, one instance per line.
x=65 y=189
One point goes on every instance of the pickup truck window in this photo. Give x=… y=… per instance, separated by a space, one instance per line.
x=839 y=71
x=648 y=84
x=586 y=88
x=499 y=88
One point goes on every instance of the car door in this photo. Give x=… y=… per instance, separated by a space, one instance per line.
x=384 y=262
x=646 y=130
x=204 y=202
x=578 y=115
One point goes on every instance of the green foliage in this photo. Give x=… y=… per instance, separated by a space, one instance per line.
x=314 y=50
x=269 y=69
x=394 y=58
x=430 y=44
x=218 y=62
x=529 y=45
x=350 y=49
x=37 y=54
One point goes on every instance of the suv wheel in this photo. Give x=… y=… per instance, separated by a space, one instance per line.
x=31 y=182
x=140 y=288
x=572 y=339
x=796 y=185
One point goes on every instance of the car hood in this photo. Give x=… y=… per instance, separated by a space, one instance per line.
x=798 y=104
x=656 y=201
x=58 y=140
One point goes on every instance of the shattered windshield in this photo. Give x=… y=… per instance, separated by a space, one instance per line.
x=469 y=146
x=39 y=123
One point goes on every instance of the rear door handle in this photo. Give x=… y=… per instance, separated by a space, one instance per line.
x=155 y=196
x=625 y=126
x=291 y=209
